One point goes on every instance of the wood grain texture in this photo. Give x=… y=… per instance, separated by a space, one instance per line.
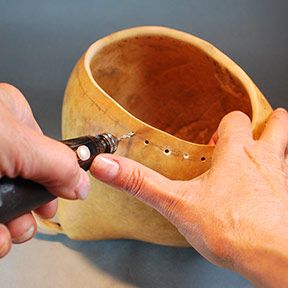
x=170 y=88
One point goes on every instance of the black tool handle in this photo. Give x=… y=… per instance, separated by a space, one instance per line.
x=19 y=196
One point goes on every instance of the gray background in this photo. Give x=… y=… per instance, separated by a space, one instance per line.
x=40 y=41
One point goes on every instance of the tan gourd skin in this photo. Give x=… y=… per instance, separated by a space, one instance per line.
x=170 y=88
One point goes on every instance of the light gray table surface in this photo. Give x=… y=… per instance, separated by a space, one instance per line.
x=40 y=41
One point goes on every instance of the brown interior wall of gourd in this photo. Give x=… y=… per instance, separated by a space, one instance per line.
x=169 y=84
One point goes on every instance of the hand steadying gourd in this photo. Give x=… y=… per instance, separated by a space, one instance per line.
x=235 y=214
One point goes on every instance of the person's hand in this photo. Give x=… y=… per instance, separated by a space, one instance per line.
x=235 y=214
x=27 y=153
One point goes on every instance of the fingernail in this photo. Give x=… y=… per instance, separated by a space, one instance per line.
x=105 y=169
x=25 y=236
x=83 y=187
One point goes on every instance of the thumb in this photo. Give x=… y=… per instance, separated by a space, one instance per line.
x=41 y=159
x=138 y=180
x=54 y=165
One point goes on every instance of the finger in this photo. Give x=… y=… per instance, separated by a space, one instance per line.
x=276 y=131
x=56 y=167
x=235 y=127
x=138 y=180
x=5 y=240
x=18 y=106
x=22 y=229
x=48 y=210
x=45 y=161
x=234 y=132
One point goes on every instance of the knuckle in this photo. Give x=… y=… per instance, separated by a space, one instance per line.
x=10 y=89
x=280 y=115
x=15 y=100
x=234 y=118
x=25 y=160
x=134 y=183
x=174 y=208
x=19 y=157
x=234 y=115
x=5 y=86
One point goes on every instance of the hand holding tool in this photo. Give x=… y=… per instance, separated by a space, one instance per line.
x=19 y=196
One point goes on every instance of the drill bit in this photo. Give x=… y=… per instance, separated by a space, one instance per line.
x=126 y=136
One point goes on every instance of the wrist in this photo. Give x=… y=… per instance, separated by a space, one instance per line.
x=264 y=263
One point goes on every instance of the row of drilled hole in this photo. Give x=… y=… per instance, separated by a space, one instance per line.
x=168 y=152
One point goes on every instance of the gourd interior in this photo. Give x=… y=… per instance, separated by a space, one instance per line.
x=169 y=84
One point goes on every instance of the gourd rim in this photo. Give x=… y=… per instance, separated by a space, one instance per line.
x=204 y=46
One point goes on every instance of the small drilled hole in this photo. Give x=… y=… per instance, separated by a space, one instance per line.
x=203 y=158
x=146 y=142
x=186 y=156
x=167 y=151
